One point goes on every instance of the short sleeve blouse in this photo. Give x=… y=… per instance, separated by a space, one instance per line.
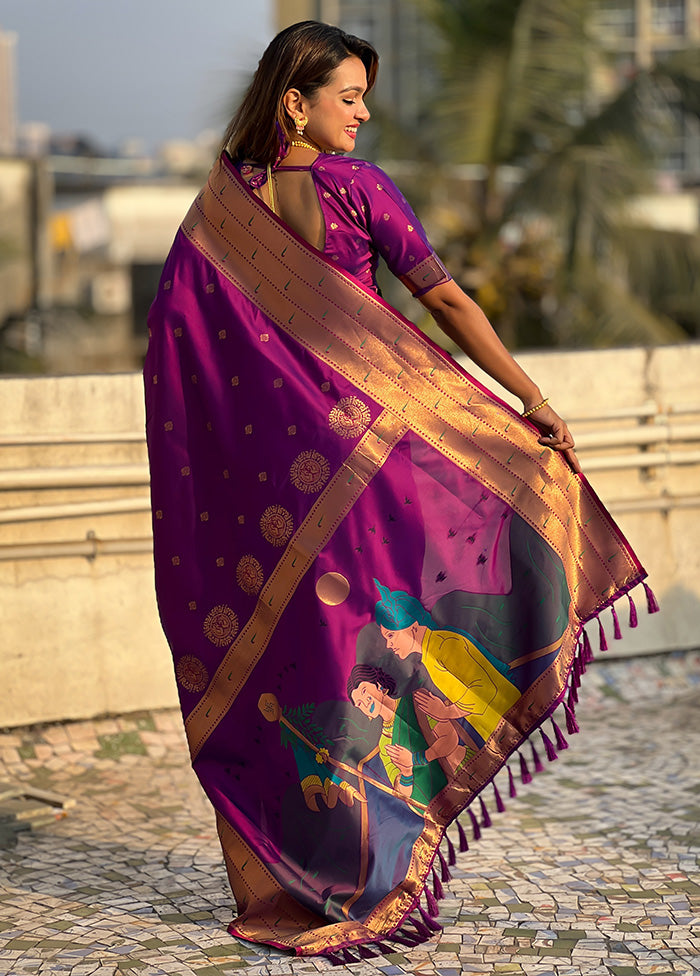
x=366 y=216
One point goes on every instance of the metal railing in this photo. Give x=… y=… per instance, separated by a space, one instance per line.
x=647 y=438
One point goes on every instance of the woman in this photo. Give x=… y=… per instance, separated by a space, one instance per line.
x=304 y=439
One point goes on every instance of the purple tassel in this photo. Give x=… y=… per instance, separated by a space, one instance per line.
x=587 y=649
x=525 y=775
x=421 y=929
x=366 y=953
x=633 y=611
x=485 y=818
x=438 y=890
x=652 y=605
x=384 y=948
x=475 y=824
x=431 y=902
x=334 y=959
x=451 y=856
x=577 y=670
x=411 y=940
x=500 y=806
x=444 y=870
x=536 y=759
x=571 y=723
x=576 y=678
x=463 y=843
x=348 y=956
x=511 y=783
x=559 y=736
x=548 y=746
x=617 y=633
x=573 y=695
x=601 y=636
x=582 y=659
x=428 y=921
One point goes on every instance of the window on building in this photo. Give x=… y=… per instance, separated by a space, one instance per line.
x=618 y=17
x=668 y=17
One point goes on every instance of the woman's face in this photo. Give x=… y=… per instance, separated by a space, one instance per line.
x=401 y=642
x=369 y=698
x=336 y=110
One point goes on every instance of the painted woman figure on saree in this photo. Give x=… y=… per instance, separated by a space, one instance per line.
x=472 y=681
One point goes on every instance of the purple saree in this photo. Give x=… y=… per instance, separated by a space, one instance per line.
x=372 y=577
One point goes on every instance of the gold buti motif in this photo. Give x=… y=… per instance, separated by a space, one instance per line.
x=221 y=625
x=332 y=589
x=309 y=471
x=191 y=673
x=249 y=574
x=276 y=525
x=350 y=417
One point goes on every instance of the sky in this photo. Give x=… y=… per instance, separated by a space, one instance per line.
x=117 y=70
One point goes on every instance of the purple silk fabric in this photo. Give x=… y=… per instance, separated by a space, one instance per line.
x=247 y=431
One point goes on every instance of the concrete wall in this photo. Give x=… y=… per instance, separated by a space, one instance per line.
x=80 y=633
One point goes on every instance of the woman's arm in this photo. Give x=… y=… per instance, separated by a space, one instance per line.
x=463 y=321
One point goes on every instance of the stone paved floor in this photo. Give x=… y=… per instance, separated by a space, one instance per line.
x=592 y=870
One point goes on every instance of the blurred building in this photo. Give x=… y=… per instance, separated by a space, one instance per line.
x=405 y=42
x=8 y=112
x=638 y=34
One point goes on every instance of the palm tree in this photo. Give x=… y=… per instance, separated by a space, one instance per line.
x=556 y=250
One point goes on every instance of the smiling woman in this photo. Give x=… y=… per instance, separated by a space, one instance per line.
x=307 y=441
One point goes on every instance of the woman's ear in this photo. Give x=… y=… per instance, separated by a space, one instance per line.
x=292 y=103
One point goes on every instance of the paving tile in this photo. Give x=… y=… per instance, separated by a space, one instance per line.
x=590 y=873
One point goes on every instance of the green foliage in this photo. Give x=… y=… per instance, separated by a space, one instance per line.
x=302 y=717
x=553 y=256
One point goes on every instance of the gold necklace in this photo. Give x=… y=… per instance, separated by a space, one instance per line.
x=304 y=145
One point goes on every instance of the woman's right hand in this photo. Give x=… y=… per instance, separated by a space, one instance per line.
x=555 y=433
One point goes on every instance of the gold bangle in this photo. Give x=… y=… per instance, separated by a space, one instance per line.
x=535 y=409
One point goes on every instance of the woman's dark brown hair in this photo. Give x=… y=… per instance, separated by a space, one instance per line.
x=303 y=56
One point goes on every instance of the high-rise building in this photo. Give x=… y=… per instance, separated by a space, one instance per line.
x=638 y=34
x=8 y=112
x=397 y=30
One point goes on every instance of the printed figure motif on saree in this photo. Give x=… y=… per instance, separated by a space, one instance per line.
x=372 y=577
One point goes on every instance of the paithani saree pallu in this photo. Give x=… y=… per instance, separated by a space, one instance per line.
x=373 y=579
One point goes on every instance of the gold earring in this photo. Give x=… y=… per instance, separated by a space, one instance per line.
x=301 y=124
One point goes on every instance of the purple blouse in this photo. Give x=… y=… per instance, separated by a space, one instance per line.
x=366 y=216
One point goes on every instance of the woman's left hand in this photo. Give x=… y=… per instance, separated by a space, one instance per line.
x=555 y=434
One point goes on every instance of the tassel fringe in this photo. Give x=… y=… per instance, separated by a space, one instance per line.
x=652 y=605
x=512 y=792
x=617 y=633
x=485 y=818
x=500 y=806
x=428 y=921
x=559 y=736
x=571 y=723
x=475 y=824
x=549 y=749
x=463 y=843
x=525 y=774
x=451 y=856
x=587 y=649
x=438 y=890
x=422 y=930
x=430 y=901
x=633 y=611
x=366 y=953
x=536 y=761
x=601 y=636
x=444 y=870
